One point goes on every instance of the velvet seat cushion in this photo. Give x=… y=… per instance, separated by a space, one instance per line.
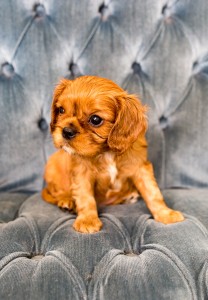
x=132 y=257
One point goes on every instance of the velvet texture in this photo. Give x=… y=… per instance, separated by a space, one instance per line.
x=156 y=49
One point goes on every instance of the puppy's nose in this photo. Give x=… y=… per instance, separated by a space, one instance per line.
x=69 y=133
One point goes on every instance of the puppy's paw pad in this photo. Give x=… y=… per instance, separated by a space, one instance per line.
x=168 y=216
x=87 y=225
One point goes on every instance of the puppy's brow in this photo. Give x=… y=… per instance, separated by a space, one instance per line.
x=75 y=109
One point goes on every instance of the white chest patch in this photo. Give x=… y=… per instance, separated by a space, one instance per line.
x=68 y=149
x=111 y=167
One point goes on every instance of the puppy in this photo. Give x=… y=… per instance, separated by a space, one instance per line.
x=99 y=130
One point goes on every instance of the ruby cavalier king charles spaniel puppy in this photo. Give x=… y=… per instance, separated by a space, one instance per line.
x=99 y=130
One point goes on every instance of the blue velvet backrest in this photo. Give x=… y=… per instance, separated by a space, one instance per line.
x=156 y=49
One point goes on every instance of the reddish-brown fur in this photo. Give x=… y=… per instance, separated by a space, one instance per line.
x=105 y=164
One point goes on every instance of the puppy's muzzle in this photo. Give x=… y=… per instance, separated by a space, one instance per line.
x=69 y=133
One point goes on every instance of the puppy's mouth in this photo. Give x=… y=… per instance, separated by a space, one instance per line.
x=68 y=149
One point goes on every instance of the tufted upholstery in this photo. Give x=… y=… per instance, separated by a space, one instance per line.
x=157 y=49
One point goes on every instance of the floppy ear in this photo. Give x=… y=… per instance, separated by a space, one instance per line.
x=57 y=93
x=131 y=121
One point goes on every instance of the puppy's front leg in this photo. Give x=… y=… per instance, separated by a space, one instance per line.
x=87 y=220
x=145 y=182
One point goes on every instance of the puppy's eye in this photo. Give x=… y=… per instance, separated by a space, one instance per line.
x=95 y=120
x=61 y=110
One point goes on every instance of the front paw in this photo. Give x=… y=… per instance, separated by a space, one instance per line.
x=87 y=224
x=168 y=216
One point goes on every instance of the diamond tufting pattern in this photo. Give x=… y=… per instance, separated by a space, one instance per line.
x=156 y=49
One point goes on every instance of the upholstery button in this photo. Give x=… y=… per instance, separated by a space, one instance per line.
x=195 y=64
x=42 y=124
x=104 y=11
x=136 y=68
x=37 y=257
x=200 y=67
x=164 y=9
x=163 y=122
x=74 y=69
x=39 y=10
x=130 y=253
x=7 y=70
x=196 y=67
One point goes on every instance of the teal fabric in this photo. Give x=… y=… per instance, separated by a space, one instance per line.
x=155 y=49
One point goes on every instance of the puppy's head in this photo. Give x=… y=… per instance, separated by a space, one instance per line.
x=91 y=115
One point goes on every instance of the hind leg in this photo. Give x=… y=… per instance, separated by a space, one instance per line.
x=128 y=196
x=58 y=180
x=131 y=198
x=61 y=198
